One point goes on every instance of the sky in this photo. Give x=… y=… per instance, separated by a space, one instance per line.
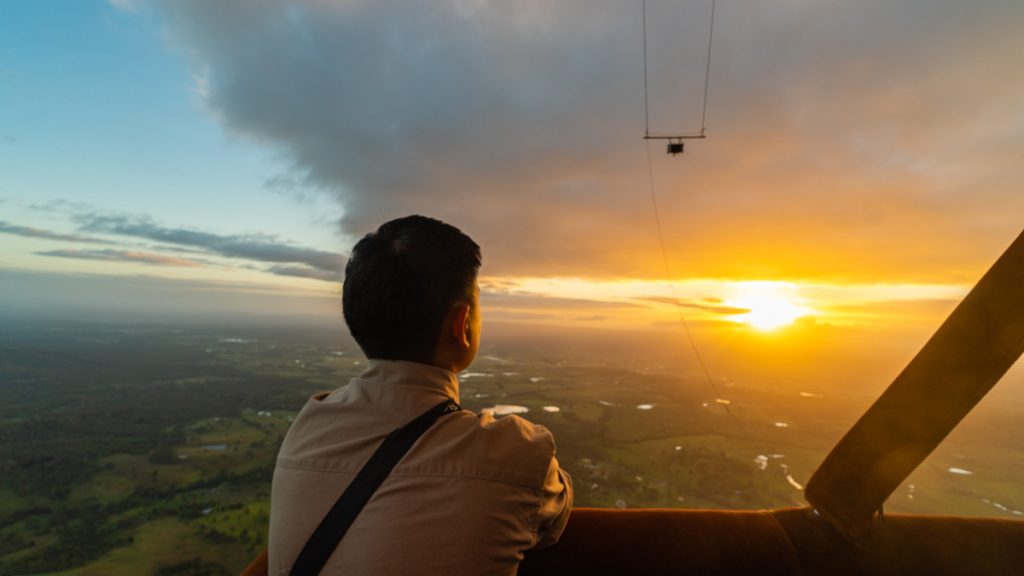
x=861 y=166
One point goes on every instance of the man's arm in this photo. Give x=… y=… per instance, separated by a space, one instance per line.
x=555 y=504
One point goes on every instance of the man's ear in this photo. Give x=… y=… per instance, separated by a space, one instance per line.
x=460 y=329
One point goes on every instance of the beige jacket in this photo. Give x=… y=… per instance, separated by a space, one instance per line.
x=470 y=497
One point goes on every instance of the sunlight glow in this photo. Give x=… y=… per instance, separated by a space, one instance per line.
x=771 y=305
x=763 y=305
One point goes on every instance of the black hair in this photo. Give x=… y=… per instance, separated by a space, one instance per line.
x=400 y=283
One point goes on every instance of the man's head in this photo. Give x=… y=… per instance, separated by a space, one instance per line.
x=410 y=293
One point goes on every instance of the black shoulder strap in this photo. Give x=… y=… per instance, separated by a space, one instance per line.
x=333 y=527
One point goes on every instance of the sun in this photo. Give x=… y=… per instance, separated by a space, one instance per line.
x=770 y=305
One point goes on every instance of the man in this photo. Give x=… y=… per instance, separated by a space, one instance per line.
x=474 y=492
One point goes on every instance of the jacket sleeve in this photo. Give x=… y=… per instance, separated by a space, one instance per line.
x=556 y=501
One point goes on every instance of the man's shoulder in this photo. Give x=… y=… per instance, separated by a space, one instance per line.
x=518 y=431
x=506 y=445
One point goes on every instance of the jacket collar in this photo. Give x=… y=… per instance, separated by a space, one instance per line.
x=405 y=373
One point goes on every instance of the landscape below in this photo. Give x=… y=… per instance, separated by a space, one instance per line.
x=128 y=449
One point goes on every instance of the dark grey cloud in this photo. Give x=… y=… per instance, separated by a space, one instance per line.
x=29 y=232
x=260 y=248
x=841 y=134
x=121 y=256
x=179 y=249
x=302 y=271
x=468 y=111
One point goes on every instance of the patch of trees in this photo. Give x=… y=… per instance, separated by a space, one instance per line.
x=80 y=540
x=75 y=396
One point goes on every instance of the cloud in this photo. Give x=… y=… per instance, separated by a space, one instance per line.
x=121 y=256
x=60 y=205
x=500 y=304
x=522 y=301
x=302 y=271
x=846 y=140
x=712 y=305
x=260 y=248
x=29 y=232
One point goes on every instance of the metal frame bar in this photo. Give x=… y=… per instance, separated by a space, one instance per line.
x=963 y=360
x=674 y=137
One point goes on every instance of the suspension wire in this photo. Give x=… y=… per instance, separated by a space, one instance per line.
x=707 y=71
x=671 y=280
x=647 y=121
x=657 y=213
